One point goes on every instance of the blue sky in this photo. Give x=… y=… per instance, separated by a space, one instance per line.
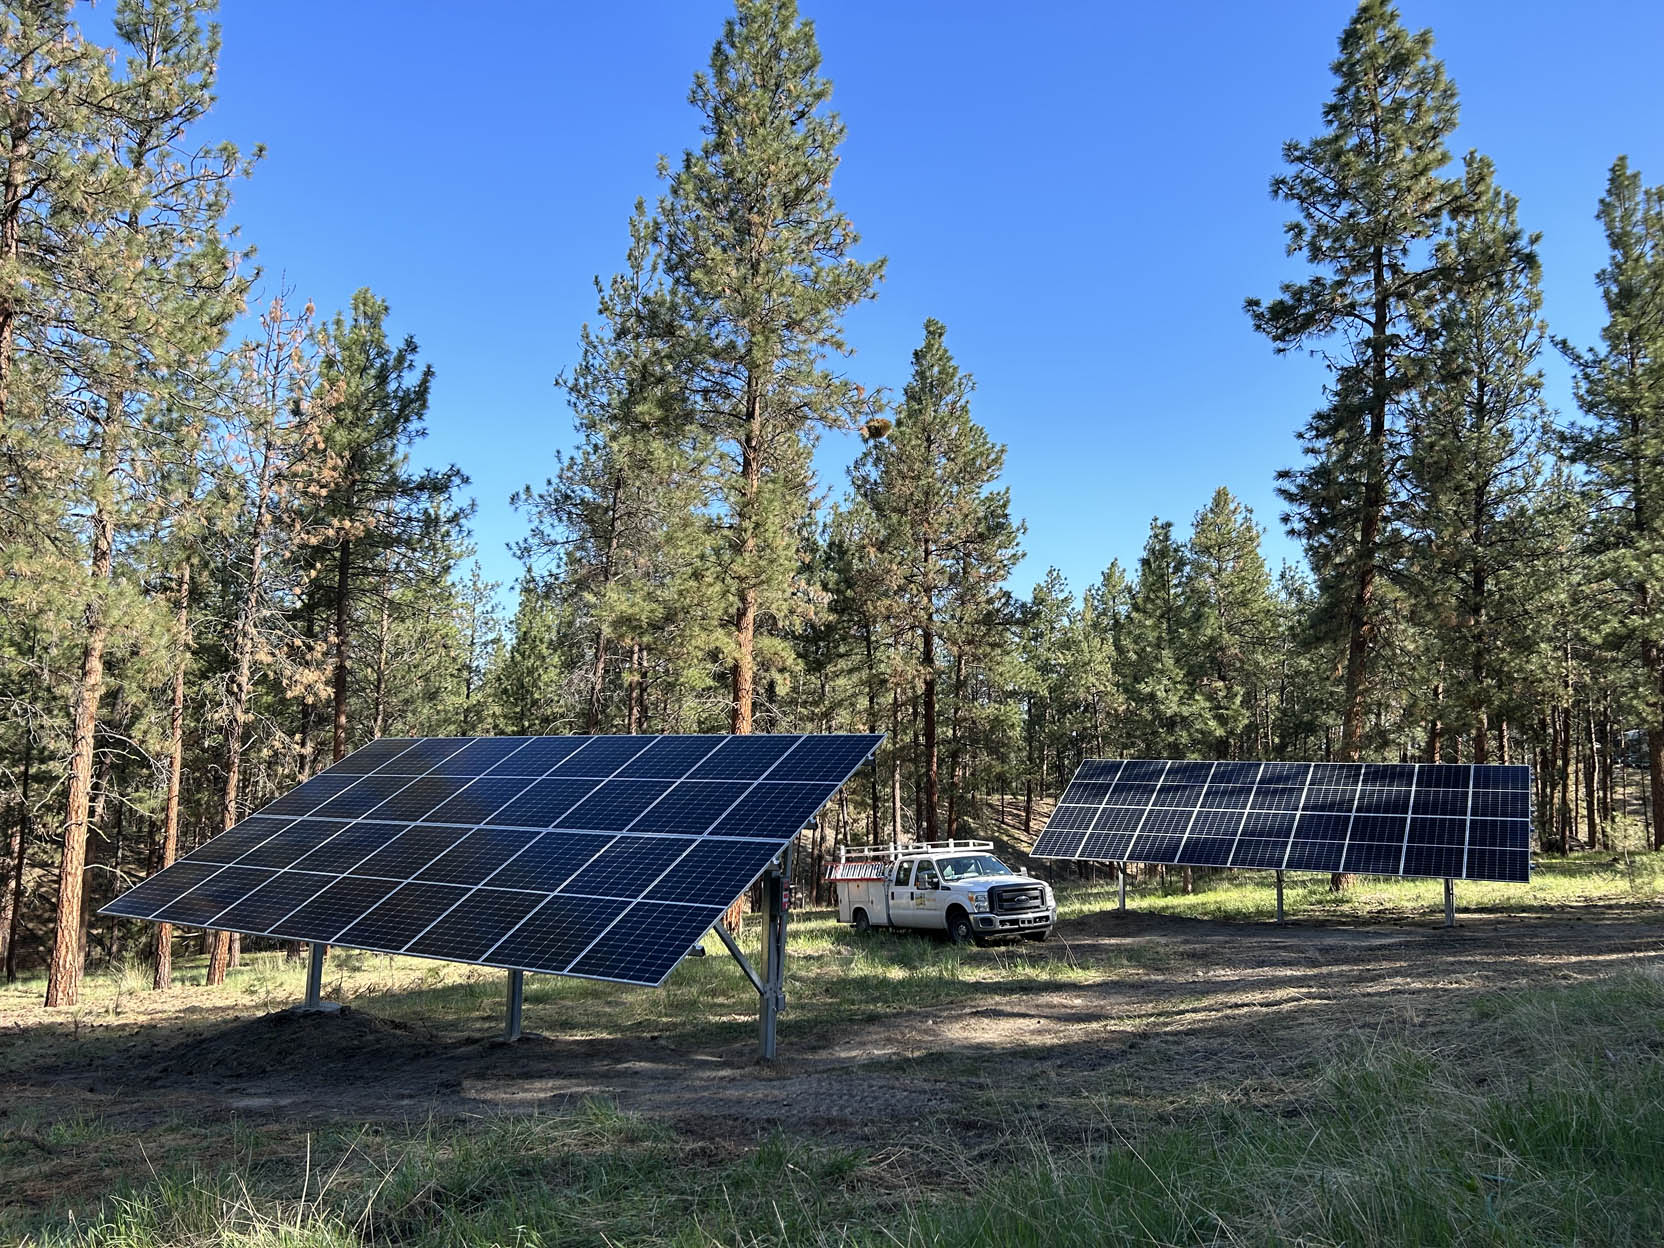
x=1077 y=190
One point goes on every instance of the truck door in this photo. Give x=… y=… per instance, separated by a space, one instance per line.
x=929 y=907
x=901 y=896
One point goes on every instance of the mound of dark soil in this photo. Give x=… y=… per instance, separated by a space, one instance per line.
x=290 y=1042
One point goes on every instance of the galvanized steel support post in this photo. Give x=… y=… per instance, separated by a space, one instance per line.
x=314 y=979
x=1449 y=902
x=772 y=994
x=516 y=1002
x=1279 y=898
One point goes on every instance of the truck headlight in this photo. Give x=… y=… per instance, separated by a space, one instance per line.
x=979 y=901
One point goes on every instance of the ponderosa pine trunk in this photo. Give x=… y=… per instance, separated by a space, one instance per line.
x=745 y=618
x=598 y=672
x=63 y=983
x=11 y=905
x=242 y=683
x=895 y=765
x=343 y=648
x=162 y=958
x=927 y=665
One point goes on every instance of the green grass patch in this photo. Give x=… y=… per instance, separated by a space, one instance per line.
x=1543 y=1129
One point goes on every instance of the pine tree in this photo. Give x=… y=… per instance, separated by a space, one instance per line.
x=155 y=284
x=1370 y=192
x=622 y=521
x=759 y=256
x=941 y=542
x=1472 y=466
x=1164 y=707
x=1620 y=444
x=372 y=410
x=1233 y=614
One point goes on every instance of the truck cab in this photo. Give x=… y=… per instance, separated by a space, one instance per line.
x=958 y=888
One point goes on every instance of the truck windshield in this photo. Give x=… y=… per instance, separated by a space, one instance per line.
x=968 y=865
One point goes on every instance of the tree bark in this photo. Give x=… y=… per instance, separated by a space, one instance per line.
x=242 y=682
x=11 y=905
x=63 y=984
x=745 y=619
x=162 y=961
x=343 y=647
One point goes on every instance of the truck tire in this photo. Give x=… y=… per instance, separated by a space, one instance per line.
x=960 y=929
x=860 y=921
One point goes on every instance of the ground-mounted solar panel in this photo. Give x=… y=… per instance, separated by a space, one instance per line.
x=1469 y=822
x=604 y=857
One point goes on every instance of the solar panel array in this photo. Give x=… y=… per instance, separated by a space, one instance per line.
x=1463 y=822
x=603 y=857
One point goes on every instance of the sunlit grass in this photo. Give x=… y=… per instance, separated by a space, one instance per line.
x=1540 y=1126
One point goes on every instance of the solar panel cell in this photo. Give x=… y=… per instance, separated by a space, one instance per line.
x=537 y=756
x=333 y=909
x=769 y=806
x=1257 y=852
x=284 y=892
x=1106 y=846
x=543 y=802
x=309 y=796
x=670 y=758
x=230 y=846
x=476 y=856
x=1182 y=772
x=744 y=758
x=479 y=801
x=1500 y=833
x=1450 y=802
x=405 y=855
x=1099 y=769
x=1432 y=860
x=477 y=923
x=1206 y=851
x=712 y=868
x=1118 y=819
x=1374 y=858
x=144 y=899
x=614 y=805
x=550 y=861
x=403 y=916
x=377 y=753
x=478 y=756
x=601 y=756
x=1322 y=827
x=361 y=798
x=1180 y=795
x=1429 y=830
x=650 y=935
x=554 y=934
x=342 y=846
x=629 y=866
x=1315 y=855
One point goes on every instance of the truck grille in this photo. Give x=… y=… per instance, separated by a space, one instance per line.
x=1015 y=898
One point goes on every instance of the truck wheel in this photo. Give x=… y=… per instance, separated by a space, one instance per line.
x=861 y=922
x=1038 y=937
x=960 y=929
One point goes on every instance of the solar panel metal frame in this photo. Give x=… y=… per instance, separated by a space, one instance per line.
x=761 y=828
x=1425 y=791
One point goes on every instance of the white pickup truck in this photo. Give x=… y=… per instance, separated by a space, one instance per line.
x=958 y=888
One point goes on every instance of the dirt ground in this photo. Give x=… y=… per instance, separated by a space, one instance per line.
x=1237 y=1010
